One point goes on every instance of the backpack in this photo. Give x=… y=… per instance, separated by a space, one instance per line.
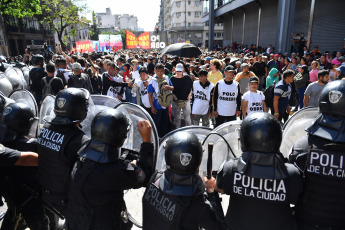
x=60 y=74
x=165 y=97
x=269 y=95
x=47 y=89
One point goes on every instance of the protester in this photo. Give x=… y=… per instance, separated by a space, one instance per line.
x=253 y=100
x=313 y=91
x=214 y=75
x=282 y=91
x=301 y=81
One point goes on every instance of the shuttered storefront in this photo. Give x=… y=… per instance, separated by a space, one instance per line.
x=268 y=25
x=328 y=30
x=238 y=26
x=251 y=24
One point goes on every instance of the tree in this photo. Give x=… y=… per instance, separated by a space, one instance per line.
x=94 y=30
x=60 y=14
x=20 y=8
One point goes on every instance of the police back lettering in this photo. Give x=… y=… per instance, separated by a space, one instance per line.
x=161 y=203
x=328 y=163
x=50 y=139
x=265 y=189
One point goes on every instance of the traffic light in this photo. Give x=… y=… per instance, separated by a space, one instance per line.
x=157 y=29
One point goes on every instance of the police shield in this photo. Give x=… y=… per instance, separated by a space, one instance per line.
x=5 y=85
x=199 y=131
x=16 y=77
x=26 y=71
x=226 y=145
x=295 y=127
x=97 y=103
x=47 y=110
x=25 y=97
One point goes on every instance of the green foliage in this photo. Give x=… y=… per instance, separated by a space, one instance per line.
x=20 y=8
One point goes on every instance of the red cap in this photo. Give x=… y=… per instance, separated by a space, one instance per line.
x=276 y=55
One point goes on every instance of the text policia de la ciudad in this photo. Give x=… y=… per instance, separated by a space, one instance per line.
x=326 y=164
x=50 y=139
x=265 y=189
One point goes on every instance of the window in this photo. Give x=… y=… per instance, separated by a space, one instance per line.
x=189 y=13
x=197 y=14
x=189 y=24
x=178 y=14
x=178 y=4
x=206 y=34
x=198 y=35
x=189 y=35
x=189 y=2
x=197 y=3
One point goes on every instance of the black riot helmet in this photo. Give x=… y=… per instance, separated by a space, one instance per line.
x=71 y=106
x=4 y=101
x=17 y=117
x=37 y=59
x=110 y=126
x=332 y=99
x=260 y=132
x=183 y=153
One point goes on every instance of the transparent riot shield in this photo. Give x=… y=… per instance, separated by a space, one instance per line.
x=16 y=77
x=5 y=85
x=47 y=110
x=295 y=126
x=97 y=103
x=135 y=114
x=199 y=131
x=26 y=71
x=25 y=97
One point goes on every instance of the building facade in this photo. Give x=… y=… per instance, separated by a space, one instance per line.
x=17 y=34
x=109 y=22
x=272 y=22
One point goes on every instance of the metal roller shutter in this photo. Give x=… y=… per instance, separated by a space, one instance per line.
x=251 y=24
x=268 y=23
x=302 y=13
x=238 y=26
x=328 y=30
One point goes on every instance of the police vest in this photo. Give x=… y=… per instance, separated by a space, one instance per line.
x=227 y=95
x=264 y=202
x=54 y=166
x=164 y=211
x=323 y=198
x=202 y=97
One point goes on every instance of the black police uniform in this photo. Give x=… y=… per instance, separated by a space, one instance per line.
x=179 y=202
x=57 y=149
x=321 y=205
x=175 y=199
x=260 y=184
x=8 y=157
x=102 y=173
x=35 y=77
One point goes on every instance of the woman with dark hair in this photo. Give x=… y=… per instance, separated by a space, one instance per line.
x=301 y=80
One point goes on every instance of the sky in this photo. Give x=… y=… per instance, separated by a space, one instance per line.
x=147 y=11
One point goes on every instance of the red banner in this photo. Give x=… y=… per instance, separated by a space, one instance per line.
x=131 y=40
x=83 y=46
x=144 y=40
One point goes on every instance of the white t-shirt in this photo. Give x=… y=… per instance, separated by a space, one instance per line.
x=254 y=101
x=227 y=95
x=114 y=91
x=202 y=97
x=143 y=93
x=136 y=78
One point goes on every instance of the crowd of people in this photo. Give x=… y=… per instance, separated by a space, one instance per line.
x=83 y=178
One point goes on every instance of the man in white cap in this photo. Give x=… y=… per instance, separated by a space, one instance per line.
x=79 y=79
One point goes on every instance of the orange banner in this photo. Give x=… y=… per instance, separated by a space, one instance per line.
x=131 y=40
x=144 y=40
x=83 y=46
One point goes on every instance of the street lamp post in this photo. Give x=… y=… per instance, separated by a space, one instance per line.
x=185 y=19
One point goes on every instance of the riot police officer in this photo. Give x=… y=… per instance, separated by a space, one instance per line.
x=322 y=203
x=16 y=122
x=260 y=184
x=103 y=171
x=35 y=76
x=58 y=143
x=175 y=198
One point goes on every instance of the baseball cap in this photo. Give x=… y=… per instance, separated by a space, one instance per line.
x=253 y=79
x=208 y=58
x=150 y=57
x=335 y=62
x=179 y=67
x=229 y=68
x=272 y=55
x=76 y=66
x=341 y=69
x=276 y=55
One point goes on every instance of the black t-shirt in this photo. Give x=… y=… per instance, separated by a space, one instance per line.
x=182 y=86
x=8 y=157
x=56 y=84
x=151 y=68
x=35 y=76
x=259 y=68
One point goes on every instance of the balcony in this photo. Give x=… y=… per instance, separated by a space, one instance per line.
x=189 y=28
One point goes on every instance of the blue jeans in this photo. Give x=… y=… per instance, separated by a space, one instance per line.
x=161 y=120
x=301 y=96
